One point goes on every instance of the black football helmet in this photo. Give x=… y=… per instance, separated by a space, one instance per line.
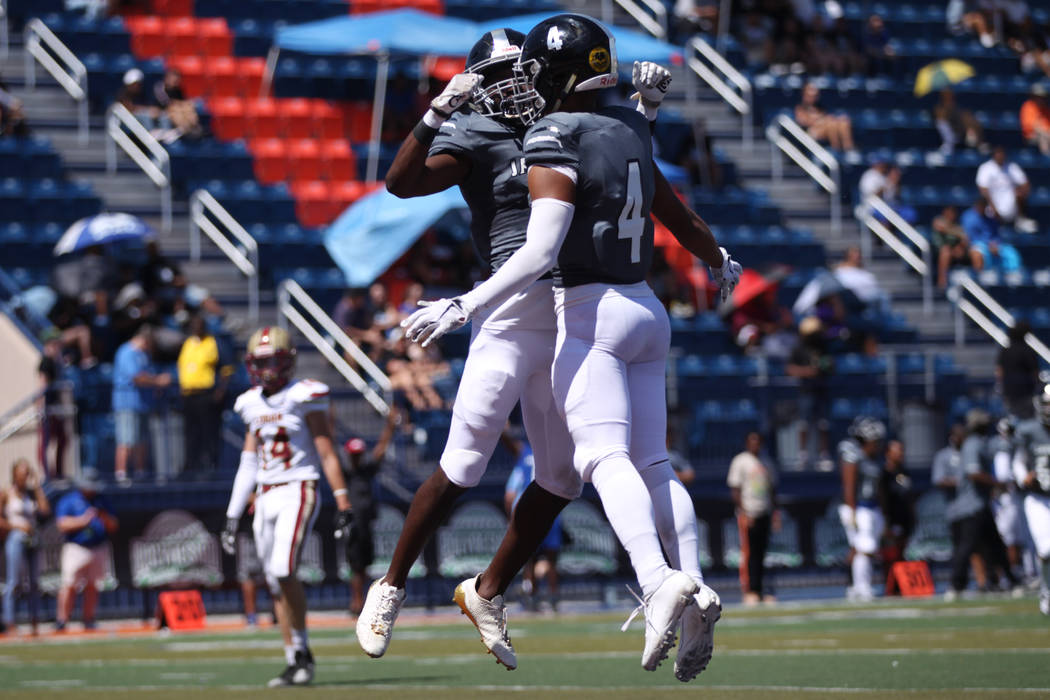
x=866 y=429
x=492 y=57
x=562 y=55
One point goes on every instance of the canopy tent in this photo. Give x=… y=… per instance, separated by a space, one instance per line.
x=377 y=229
x=413 y=33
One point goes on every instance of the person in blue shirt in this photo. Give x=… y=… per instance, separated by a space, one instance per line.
x=983 y=231
x=543 y=564
x=86 y=520
x=135 y=383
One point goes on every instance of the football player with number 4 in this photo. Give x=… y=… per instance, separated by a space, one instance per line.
x=1031 y=469
x=592 y=186
x=287 y=444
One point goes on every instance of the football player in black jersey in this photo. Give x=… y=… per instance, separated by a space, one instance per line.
x=1031 y=469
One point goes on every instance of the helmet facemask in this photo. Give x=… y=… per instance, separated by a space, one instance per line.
x=492 y=97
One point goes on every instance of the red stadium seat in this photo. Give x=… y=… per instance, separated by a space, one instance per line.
x=434 y=7
x=262 y=118
x=148 y=39
x=346 y=193
x=250 y=74
x=314 y=205
x=215 y=37
x=358 y=116
x=328 y=121
x=297 y=116
x=227 y=117
x=271 y=160
x=358 y=7
x=222 y=77
x=173 y=8
x=339 y=162
x=192 y=69
x=184 y=36
x=305 y=159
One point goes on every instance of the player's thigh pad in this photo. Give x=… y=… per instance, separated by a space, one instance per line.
x=1008 y=519
x=295 y=519
x=1037 y=511
x=493 y=376
x=552 y=446
x=647 y=385
x=869 y=530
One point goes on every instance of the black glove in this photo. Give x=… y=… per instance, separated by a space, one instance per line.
x=344 y=528
x=228 y=538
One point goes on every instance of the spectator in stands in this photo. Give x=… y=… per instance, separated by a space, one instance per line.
x=898 y=508
x=695 y=16
x=875 y=41
x=752 y=484
x=755 y=33
x=411 y=369
x=203 y=379
x=86 y=520
x=883 y=180
x=52 y=422
x=982 y=228
x=972 y=16
x=1017 y=373
x=956 y=125
x=1005 y=186
x=181 y=113
x=360 y=480
x=789 y=41
x=835 y=130
x=862 y=283
x=410 y=301
x=813 y=366
x=1035 y=119
x=952 y=245
x=763 y=326
x=22 y=506
x=134 y=385
x=355 y=316
x=384 y=313
x=12 y=117
x=132 y=95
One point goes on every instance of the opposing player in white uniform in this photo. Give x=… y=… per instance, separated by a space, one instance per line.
x=592 y=186
x=287 y=445
x=1032 y=472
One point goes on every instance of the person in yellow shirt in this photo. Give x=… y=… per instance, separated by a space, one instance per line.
x=202 y=380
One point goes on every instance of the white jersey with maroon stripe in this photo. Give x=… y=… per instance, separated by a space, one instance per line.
x=278 y=422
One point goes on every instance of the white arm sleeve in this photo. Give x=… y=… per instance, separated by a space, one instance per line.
x=548 y=224
x=243 y=484
x=1020 y=467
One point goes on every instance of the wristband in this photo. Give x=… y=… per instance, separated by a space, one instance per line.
x=340 y=492
x=427 y=129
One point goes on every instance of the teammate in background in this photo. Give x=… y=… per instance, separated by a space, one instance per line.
x=1031 y=468
x=859 y=512
x=360 y=479
x=544 y=563
x=1008 y=501
x=592 y=185
x=286 y=446
x=898 y=505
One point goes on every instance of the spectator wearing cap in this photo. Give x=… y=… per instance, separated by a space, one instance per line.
x=1035 y=119
x=132 y=95
x=86 y=520
x=134 y=384
x=360 y=478
x=812 y=364
x=202 y=381
x=1004 y=184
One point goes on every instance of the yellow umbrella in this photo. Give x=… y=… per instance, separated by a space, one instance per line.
x=941 y=74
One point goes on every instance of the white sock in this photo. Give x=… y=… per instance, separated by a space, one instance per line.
x=289 y=654
x=630 y=512
x=862 y=574
x=1030 y=562
x=675 y=518
x=300 y=640
x=1044 y=579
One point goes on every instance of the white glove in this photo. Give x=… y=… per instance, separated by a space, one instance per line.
x=436 y=318
x=228 y=538
x=727 y=276
x=455 y=94
x=651 y=80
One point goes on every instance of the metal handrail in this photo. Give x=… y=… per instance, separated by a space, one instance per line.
x=963 y=284
x=243 y=251
x=830 y=183
x=70 y=73
x=743 y=102
x=922 y=265
x=290 y=290
x=26 y=411
x=655 y=24
x=154 y=160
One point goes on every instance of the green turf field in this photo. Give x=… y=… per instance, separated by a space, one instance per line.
x=990 y=648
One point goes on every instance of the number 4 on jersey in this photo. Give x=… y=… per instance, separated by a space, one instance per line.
x=632 y=224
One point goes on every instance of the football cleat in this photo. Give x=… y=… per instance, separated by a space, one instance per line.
x=698 y=634
x=375 y=624
x=1044 y=603
x=490 y=617
x=663 y=609
x=299 y=673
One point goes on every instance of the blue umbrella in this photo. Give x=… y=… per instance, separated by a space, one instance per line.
x=101 y=229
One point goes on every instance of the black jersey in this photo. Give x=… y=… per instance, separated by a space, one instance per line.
x=611 y=236
x=869 y=474
x=497 y=189
x=1033 y=439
